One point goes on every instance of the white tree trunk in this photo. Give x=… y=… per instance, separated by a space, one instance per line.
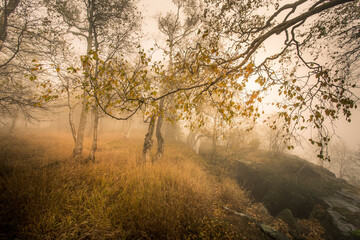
x=77 y=152
x=159 y=137
x=148 y=142
x=95 y=134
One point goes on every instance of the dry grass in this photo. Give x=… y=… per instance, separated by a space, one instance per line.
x=45 y=195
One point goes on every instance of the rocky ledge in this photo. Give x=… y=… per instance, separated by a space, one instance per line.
x=292 y=188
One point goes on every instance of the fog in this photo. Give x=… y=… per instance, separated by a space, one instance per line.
x=179 y=119
x=237 y=136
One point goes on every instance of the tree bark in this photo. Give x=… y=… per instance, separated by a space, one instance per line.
x=14 y=119
x=8 y=9
x=71 y=115
x=214 y=137
x=148 y=142
x=81 y=129
x=159 y=137
x=95 y=135
x=72 y=125
x=90 y=129
x=82 y=124
x=94 y=84
x=126 y=128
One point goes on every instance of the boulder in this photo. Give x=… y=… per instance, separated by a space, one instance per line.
x=261 y=209
x=318 y=212
x=287 y=216
x=271 y=232
x=343 y=209
x=240 y=214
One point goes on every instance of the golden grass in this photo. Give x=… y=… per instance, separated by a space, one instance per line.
x=45 y=195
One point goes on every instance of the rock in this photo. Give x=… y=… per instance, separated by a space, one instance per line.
x=356 y=234
x=262 y=209
x=271 y=232
x=285 y=182
x=237 y=213
x=340 y=222
x=344 y=199
x=317 y=212
x=287 y=216
x=342 y=210
x=288 y=182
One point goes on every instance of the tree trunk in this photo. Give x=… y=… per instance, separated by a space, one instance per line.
x=14 y=119
x=8 y=8
x=177 y=130
x=90 y=129
x=72 y=125
x=197 y=143
x=214 y=137
x=94 y=144
x=26 y=122
x=95 y=123
x=77 y=152
x=81 y=130
x=148 y=142
x=126 y=128
x=71 y=116
x=159 y=137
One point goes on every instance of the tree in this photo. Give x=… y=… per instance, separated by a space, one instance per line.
x=107 y=27
x=60 y=58
x=23 y=35
x=176 y=33
x=126 y=88
x=311 y=102
x=279 y=139
x=344 y=162
x=341 y=158
x=221 y=64
x=7 y=9
x=353 y=172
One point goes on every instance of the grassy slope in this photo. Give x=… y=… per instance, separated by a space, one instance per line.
x=44 y=195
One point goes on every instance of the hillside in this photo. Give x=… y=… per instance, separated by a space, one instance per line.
x=46 y=195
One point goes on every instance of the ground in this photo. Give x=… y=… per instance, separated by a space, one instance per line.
x=44 y=194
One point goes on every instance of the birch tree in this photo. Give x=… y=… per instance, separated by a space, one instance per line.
x=106 y=27
x=177 y=27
